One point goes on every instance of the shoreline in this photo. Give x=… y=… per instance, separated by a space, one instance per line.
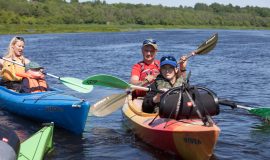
x=82 y=28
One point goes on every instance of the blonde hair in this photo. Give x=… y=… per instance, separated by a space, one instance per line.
x=10 y=53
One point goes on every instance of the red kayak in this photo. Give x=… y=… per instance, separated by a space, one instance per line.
x=187 y=138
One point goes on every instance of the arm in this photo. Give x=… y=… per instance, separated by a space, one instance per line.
x=183 y=64
x=135 y=80
x=135 y=75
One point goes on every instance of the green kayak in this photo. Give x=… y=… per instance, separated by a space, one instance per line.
x=35 y=147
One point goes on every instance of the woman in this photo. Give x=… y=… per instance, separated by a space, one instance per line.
x=8 y=69
x=170 y=77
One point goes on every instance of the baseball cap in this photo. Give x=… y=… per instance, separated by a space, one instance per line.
x=151 y=42
x=33 y=65
x=170 y=60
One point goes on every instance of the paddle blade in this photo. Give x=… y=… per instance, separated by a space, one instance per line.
x=208 y=45
x=106 y=81
x=108 y=105
x=76 y=84
x=262 y=112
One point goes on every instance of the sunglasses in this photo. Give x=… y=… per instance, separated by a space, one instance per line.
x=20 y=38
x=147 y=41
x=149 y=50
x=167 y=58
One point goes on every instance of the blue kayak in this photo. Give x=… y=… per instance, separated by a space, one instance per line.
x=52 y=106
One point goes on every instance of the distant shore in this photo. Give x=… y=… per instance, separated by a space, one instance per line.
x=77 y=28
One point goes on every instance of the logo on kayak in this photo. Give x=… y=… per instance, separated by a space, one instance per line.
x=54 y=109
x=192 y=140
x=91 y=82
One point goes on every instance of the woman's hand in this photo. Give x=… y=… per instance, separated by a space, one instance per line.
x=183 y=62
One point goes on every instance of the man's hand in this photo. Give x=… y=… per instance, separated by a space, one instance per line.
x=149 y=78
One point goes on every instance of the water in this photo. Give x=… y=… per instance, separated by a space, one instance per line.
x=237 y=69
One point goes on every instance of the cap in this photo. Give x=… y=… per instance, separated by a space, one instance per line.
x=151 y=42
x=170 y=60
x=33 y=65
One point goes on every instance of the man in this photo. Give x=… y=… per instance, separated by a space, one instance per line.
x=144 y=72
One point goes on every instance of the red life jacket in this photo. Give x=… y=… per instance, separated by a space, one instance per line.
x=149 y=71
x=36 y=83
x=154 y=71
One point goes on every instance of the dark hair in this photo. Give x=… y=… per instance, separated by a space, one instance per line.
x=20 y=38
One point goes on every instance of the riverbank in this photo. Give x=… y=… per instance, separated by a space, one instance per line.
x=75 y=28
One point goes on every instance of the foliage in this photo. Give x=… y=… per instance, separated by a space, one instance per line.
x=30 y=12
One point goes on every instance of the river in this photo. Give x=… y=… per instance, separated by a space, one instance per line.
x=237 y=68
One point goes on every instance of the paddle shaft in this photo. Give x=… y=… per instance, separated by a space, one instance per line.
x=233 y=104
x=244 y=107
x=144 y=88
x=51 y=75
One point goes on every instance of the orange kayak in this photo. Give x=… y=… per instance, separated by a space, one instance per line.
x=187 y=138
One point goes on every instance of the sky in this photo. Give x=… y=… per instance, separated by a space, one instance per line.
x=191 y=3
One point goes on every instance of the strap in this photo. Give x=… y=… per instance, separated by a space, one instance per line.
x=22 y=74
x=206 y=115
x=141 y=63
x=179 y=105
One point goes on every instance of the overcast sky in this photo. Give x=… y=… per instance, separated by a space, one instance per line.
x=176 y=3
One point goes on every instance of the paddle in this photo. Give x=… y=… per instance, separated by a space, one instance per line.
x=111 y=81
x=73 y=83
x=261 y=112
x=108 y=105
x=205 y=47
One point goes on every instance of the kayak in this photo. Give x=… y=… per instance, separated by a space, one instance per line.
x=38 y=145
x=9 y=143
x=64 y=110
x=187 y=138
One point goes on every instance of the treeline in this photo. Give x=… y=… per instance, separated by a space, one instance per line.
x=99 y=12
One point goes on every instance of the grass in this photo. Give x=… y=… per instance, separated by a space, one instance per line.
x=72 y=28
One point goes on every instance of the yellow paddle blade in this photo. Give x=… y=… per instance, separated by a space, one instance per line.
x=108 y=105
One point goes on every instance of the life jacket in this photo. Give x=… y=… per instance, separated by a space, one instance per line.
x=36 y=83
x=147 y=71
x=162 y=83
x=9 y=71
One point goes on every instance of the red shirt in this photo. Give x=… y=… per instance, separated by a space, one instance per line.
x=141 y=70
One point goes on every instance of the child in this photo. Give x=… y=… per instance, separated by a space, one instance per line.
x=169 y=78
x=33 y=79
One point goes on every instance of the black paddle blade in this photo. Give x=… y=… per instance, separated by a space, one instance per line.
x=208 y=45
